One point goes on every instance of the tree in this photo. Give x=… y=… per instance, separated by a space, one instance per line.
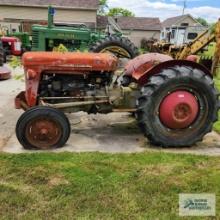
x=120 y=12
x=103 y=5
x=202 y=21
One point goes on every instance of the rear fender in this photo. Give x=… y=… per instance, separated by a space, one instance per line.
x=137 y=67
x=143 y=79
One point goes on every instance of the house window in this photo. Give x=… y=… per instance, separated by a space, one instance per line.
x=173 y=34
x=185 y=24
x=192 y=36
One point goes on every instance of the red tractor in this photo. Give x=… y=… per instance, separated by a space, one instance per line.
x=11 y=46
x=175 y=101
x=5 y=73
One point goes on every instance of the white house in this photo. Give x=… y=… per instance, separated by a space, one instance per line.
x=181 y=29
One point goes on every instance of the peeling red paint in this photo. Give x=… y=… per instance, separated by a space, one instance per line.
x=37 y=63
x=70 y=61
x=143 y=63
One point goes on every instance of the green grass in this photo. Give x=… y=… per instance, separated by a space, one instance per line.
x=102 y=186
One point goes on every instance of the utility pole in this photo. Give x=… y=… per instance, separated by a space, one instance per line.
x=184 y=6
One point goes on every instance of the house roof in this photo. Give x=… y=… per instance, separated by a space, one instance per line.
x=173 y=20
x=132 y=23
x=77 y=4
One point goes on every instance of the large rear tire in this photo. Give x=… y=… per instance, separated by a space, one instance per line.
x=43 y=128
x=121 y=47
x=177 y=107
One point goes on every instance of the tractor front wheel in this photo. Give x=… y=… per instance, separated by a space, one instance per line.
x=43 y=128
x=177 y=107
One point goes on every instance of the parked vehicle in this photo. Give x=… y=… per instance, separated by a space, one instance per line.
x=75 y=37
x=79 y=37
x=11 y=46
x=199 y=46
x=175 y=101
x=25 y=39
x=5 y=73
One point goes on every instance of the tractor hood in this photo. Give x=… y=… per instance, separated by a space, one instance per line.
x=38 y=63
x=87 y=62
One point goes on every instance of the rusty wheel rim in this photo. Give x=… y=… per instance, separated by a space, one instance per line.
x=43 y=133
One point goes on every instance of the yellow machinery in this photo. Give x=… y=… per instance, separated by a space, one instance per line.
x=216 y=58
x=201 y=47
x=194 y=47
x=197 y=44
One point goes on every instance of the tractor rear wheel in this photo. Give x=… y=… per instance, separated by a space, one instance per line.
x=121 y=47
x=42 y=128
x=177 y=107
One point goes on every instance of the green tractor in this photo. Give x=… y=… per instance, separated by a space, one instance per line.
x=78 y=37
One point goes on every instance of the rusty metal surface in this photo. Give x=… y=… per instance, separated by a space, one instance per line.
x=20 y=101
x=36 y=63
x=143 y=63
x=5 y=73
x=169 y=64
x=74 y=104
x=50 y=61
x=43 y=132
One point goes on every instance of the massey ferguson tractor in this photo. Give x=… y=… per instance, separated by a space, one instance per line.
x=175 y=101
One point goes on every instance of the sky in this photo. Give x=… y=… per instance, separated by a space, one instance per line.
x=210 y=10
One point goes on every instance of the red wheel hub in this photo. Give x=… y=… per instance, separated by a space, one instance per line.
x=43 y=132
x=179 y=110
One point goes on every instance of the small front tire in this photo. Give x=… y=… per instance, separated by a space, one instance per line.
x=43 y=128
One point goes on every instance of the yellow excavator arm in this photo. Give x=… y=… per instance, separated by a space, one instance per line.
x=216 y=59
x=199 y=43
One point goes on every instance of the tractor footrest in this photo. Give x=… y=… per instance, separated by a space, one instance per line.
x=20 y=101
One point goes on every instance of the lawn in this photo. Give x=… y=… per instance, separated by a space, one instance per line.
x=102 y=186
